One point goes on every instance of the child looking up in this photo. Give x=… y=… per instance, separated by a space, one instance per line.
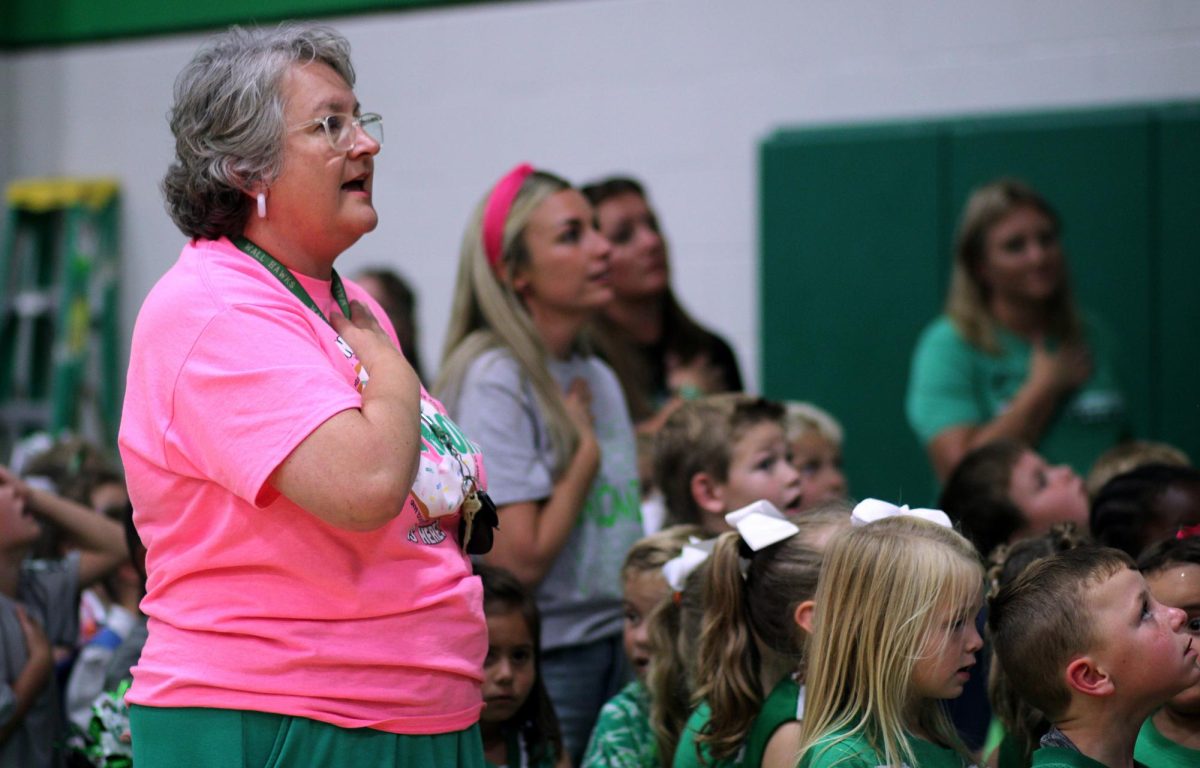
x=1081 y=638
x=1171 y=736
x=750 y=671
x=1017 y=726
x=719 y=453
x=623 y=737
x=1003 y=491
x=1146 y=505
x=518 y=723
x=893 y=638
x=39 y=609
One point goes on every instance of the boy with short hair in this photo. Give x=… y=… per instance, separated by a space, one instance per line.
x=719 y=453
x=1082 y=639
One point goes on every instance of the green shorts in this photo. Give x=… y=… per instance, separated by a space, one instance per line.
x=195 y=737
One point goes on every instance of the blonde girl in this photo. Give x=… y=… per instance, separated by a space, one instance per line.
x=562 y=467
x=623 y=737
x=894 y=636
x=815 y=438
x=750 y=677
x=674 y=629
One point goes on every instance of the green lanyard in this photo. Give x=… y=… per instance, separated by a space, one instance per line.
x=291 y=283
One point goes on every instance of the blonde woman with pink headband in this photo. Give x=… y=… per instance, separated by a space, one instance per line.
x=553 y=424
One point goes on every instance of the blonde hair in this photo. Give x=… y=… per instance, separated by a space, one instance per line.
x=488 y=313
x=749 y=623
x=1126 y=457
x=882 y=591
x=673 y=627
x=649 y=555
x=967 y=299
x=802 y=418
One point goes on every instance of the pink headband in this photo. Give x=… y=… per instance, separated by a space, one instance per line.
x=499 y=203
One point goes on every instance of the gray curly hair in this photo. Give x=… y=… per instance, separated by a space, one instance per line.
x=228 y=121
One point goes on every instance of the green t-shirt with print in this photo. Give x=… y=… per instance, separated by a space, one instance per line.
x=1157 y=751
x=954 y=383
x=623 y=737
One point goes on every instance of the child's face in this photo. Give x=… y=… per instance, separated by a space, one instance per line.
x=643 y=591
x=819 y=462
x=1178 y=506
x=18 y=526
x=759 y=468
x=1047 y=495
x=1178 y=586
x=948 y=653
x=508 y=670
x=1143 y=645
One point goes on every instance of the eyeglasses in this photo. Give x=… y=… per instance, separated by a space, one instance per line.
x=341 y=128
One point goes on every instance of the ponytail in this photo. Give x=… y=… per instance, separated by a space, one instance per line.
x=749 y=622
x=727 y=655
x=673 y=626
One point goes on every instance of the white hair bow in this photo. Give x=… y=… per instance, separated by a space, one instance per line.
x=871 y=510
x=760 y=524
x=677 y=569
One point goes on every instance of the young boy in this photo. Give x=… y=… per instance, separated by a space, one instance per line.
x=39 y=608
x=815 y=438
x=719 y=453
x=1081 y=638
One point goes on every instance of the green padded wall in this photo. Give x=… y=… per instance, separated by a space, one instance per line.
x=856 y=232
x=1176 y=279
x=850 y=221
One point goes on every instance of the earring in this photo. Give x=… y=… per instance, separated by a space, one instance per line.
x=262 y=205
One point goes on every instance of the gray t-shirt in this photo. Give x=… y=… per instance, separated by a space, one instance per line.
x=580 y=598
x=49 y=590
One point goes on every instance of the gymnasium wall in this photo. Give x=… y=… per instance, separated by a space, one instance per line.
x=679 y=92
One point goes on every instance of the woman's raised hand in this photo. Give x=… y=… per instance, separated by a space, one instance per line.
x=1061 y=370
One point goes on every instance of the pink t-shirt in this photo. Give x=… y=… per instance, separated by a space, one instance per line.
x=255 y=603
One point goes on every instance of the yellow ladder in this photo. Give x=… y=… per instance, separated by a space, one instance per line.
x=59 y=313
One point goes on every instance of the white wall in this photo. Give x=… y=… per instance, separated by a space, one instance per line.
x=678 y=92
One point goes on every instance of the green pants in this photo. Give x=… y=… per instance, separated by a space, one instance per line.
x=194 y=737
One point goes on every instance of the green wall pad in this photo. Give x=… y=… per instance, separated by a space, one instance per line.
x=856 y=236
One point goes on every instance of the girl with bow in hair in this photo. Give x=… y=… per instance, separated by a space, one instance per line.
x=893 y=637
x=750 y=670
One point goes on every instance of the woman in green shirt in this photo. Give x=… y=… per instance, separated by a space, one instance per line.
x=1012 y=356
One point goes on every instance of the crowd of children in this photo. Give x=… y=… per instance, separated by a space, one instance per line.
x=771 y=624
x=763 y=620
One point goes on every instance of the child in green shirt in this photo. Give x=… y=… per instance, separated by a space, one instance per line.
x=1080 y=636
x=623 y=736
x=750 y=666
x=894 y=637
x=1170 y=738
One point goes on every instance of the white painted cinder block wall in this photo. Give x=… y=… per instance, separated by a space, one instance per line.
x=678 y=92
